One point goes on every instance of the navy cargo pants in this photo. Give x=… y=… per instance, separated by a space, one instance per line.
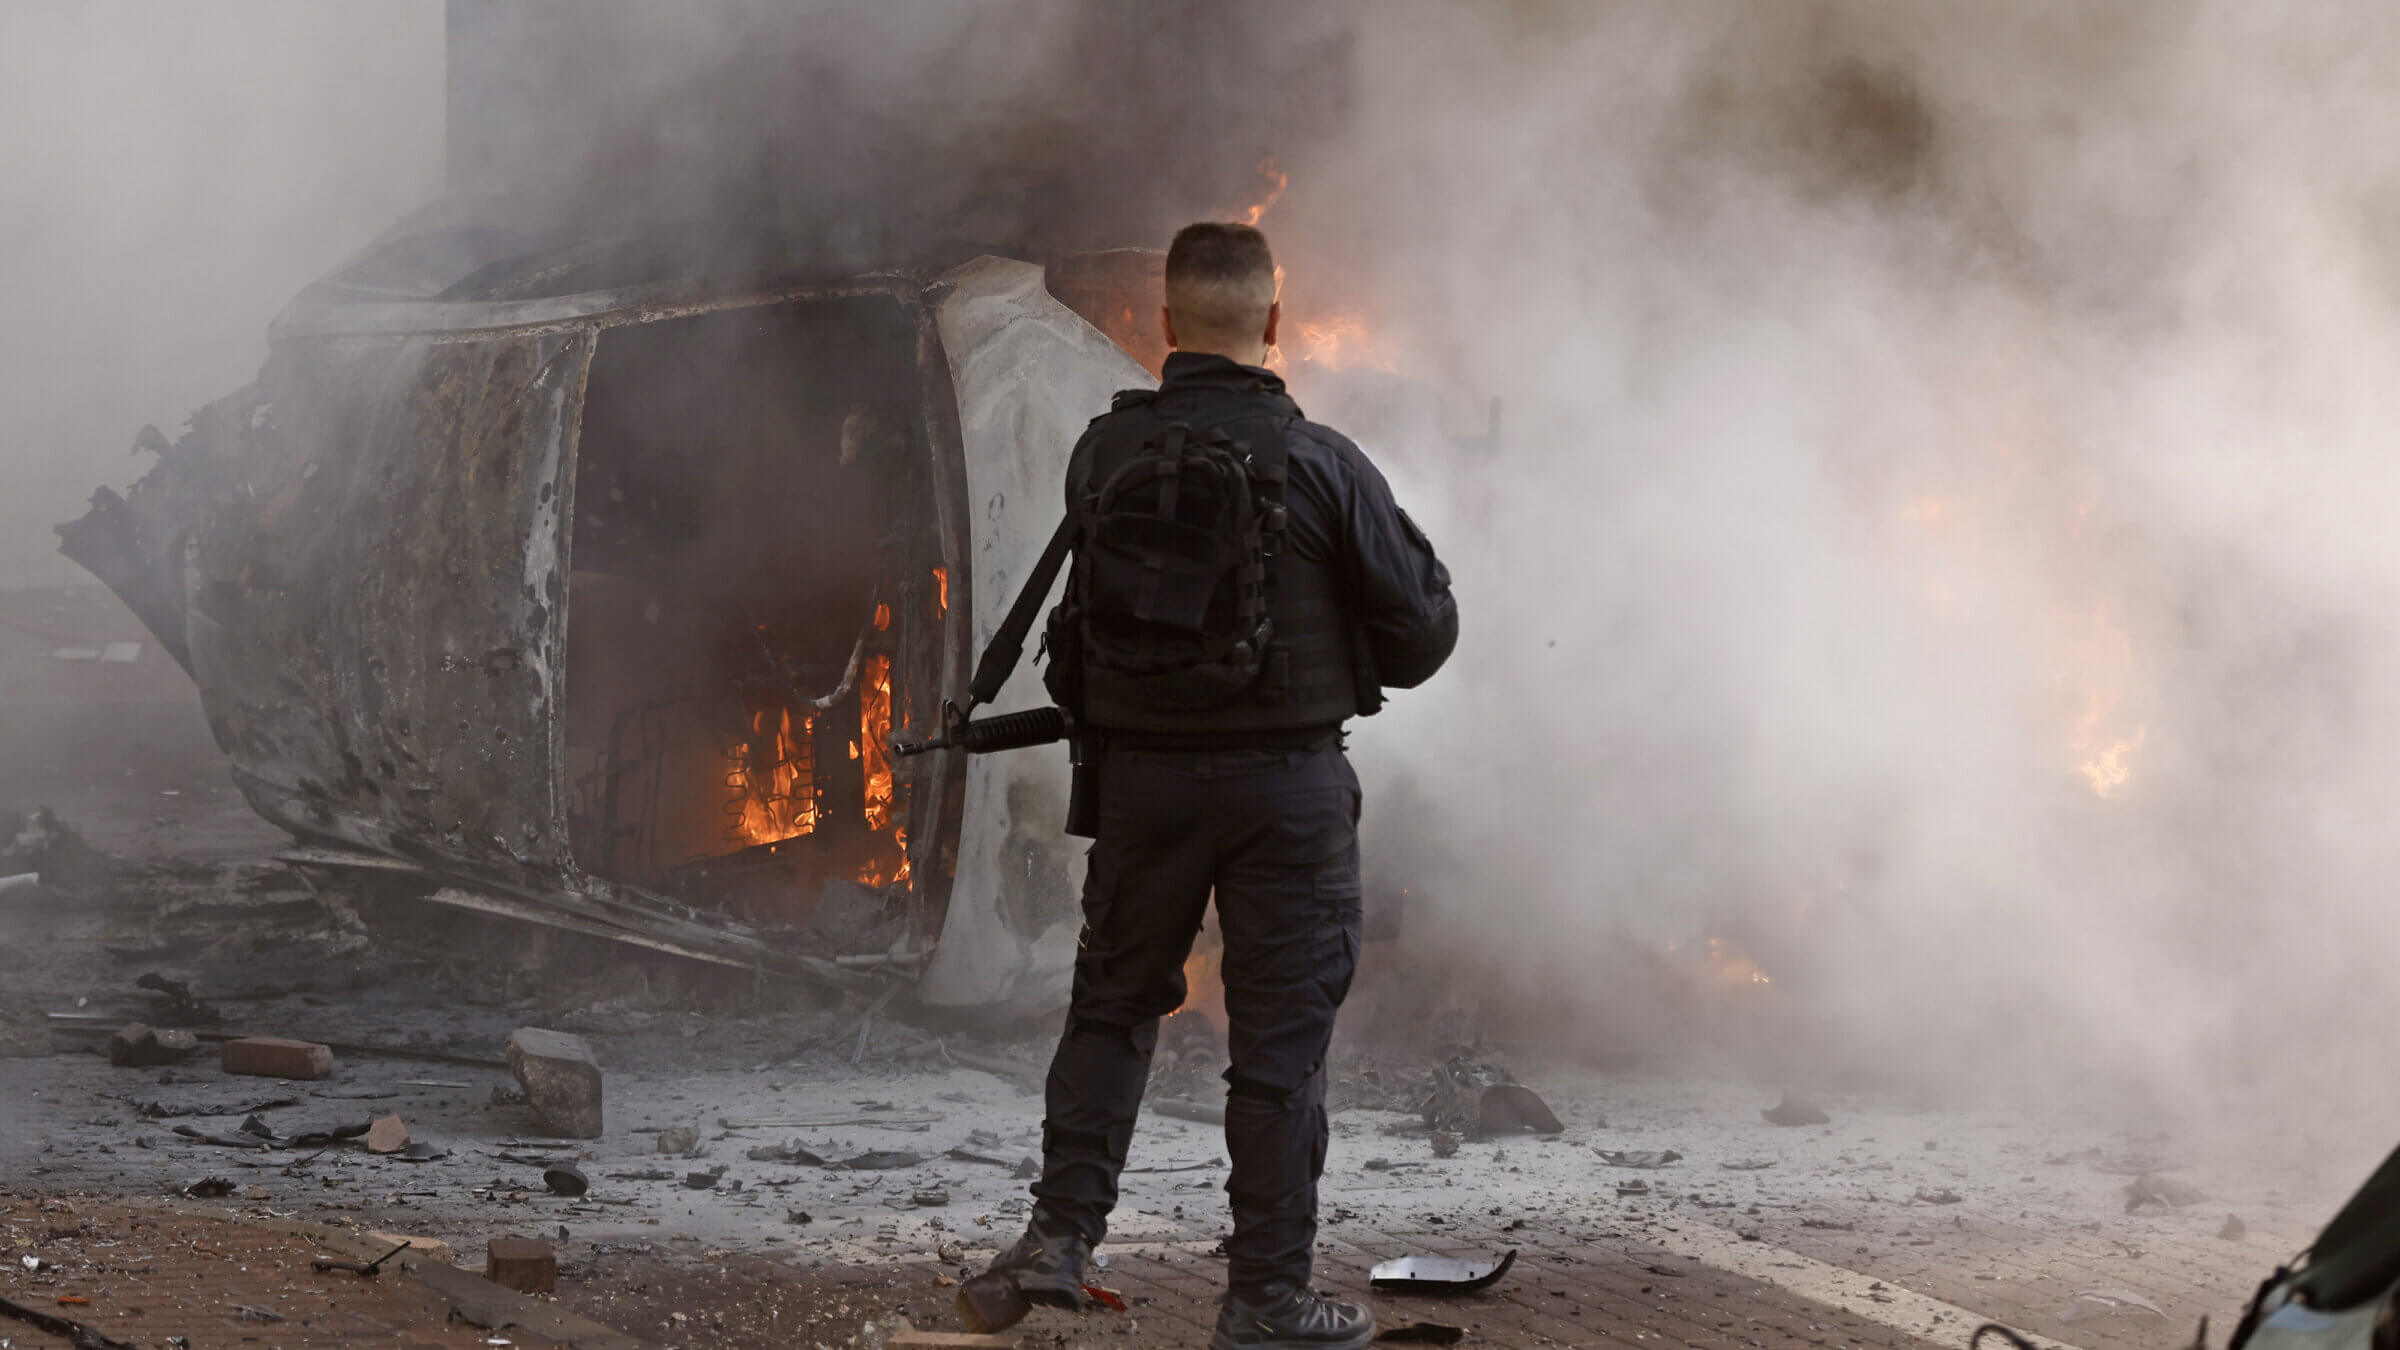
x=1274 y=834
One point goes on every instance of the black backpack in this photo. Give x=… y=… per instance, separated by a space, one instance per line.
x=1168 y=606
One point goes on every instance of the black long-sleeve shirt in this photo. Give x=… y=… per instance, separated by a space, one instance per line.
x=1340 y=511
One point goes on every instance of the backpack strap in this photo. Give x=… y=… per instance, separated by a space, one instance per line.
x=1007 y=647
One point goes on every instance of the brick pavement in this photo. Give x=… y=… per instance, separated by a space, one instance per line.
x=1560 y=1293
x=154 y=1275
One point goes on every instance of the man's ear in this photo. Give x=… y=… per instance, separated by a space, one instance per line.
x=1274 y=319
x=1166 y=325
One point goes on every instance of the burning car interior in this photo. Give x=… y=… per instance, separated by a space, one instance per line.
x=758 y=586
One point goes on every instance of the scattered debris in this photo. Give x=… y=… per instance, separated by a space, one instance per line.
x=235 y=1140
x=527 y=1265
x=323 y=1265
x=565 y=1178
x=881 y=1160
x=1831 y=1225
x=2112 y=1302
x=2234 y=1230
x=388 y=1134
x=243 y=1312
x=1423 y=1333
x=1795 y=1109
x=432 y=1249
x=420 y=1151
x=80 y=1336
x=702 y=1181
x=1646 y=1159
x=1478 y=1098
x=930 y=1198
x=1438 y=1274
x=276 y=1057
x=1633 y=1188
x=53 y=849
x=138 y=1045
x=2164 y=1192
x=643 y=1174
x=794 y=1153
x=209 y=1188
x=679 y=1141
x=1748 y=1165
x=560 y=1078
x=1445 y=1143
x=176 y=1002
x=1944 y=1196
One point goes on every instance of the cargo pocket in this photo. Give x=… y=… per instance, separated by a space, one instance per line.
x=1339 y=892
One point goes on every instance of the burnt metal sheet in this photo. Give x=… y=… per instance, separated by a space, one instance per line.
x=375 y=620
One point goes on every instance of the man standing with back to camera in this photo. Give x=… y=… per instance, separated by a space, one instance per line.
x=1243 y=585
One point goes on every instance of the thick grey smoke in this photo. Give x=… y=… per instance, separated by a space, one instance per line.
x=169 y=176
x=1937 y=548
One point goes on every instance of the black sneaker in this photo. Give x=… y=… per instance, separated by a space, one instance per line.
x=1047 y=1265
x=1297 y=1319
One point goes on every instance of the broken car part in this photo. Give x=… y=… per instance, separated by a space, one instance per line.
x=1641 y=1158
x=1438 y=1274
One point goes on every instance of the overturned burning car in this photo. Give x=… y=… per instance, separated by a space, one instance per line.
x=589 y=592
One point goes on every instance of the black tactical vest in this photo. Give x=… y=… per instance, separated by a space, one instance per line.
x=1306 y=678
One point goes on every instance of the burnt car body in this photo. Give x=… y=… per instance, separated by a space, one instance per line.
x=593 y=597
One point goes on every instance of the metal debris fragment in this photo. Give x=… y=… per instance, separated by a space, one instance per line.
x=1438 y=1274
x=1795 y=1109
x=1641 y=1158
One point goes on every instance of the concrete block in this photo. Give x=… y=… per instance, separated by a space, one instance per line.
x=560 y=1078
x=526 y=1265
x=24 y=1028
x=137 y=1045
x=275 y=1057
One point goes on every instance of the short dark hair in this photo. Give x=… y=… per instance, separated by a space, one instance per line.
x=1220 y=280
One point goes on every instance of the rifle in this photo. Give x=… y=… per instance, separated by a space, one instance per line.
x=1014 y=731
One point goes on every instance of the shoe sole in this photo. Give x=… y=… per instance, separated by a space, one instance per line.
x=1221 y=1341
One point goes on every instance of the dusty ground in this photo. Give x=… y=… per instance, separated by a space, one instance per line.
x=1901 y=1221
x=1847 y=1237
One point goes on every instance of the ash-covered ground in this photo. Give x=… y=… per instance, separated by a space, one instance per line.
x=768 y=1127
x=839 y=1169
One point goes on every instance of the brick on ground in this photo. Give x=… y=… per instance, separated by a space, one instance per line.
x=276 y=1057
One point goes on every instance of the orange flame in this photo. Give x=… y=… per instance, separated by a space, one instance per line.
x=874 y=739
x=941 y=591
x=1277 y=180
x=771 y=778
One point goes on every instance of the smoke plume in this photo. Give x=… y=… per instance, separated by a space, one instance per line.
x=1929 y=610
